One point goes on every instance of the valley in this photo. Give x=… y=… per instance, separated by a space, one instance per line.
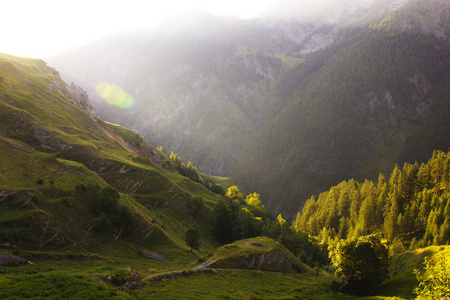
x=245 y=99
x=303 y=154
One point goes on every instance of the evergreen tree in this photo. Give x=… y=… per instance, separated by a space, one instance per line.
x=222 y=223
x=390 y=223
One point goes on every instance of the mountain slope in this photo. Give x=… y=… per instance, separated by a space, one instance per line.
x=69 y=180
x=351 y=111
x=199 y=91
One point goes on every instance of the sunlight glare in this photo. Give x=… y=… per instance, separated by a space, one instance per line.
x=43 y=28
x=115 y=95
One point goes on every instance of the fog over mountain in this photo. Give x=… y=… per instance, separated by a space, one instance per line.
x=309 y=94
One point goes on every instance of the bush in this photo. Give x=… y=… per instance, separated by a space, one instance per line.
x=110 y=213
x=361 y=263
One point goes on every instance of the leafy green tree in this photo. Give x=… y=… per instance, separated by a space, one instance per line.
x=235 y=195
x=280 y=220
x=217 y=189
x=195 y=204
x=192 y=237
x=102 y=224
x=361 y=264
x=435 y=283
x=253 y=200
x=110 y=213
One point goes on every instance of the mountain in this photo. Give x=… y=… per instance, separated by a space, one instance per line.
x=70 y=180
x=199 y=90
x=373 y=99
x=287 y=104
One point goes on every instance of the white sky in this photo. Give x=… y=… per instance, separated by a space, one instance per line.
x=41 y=28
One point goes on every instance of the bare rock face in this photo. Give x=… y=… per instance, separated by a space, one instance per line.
x=80 y=98
x=150 y=152
x=152 y=255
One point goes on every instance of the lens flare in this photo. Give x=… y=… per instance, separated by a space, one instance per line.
x=115 y=95
x=127 y=102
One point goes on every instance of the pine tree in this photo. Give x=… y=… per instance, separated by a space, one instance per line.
x=296 y=225
x=396 y=247
x=390 y=223
x=444 y=232
x=368 y=211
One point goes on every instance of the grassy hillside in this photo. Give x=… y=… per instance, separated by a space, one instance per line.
x=259 y=253
x=71 y=182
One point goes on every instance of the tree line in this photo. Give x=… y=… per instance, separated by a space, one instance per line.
x=409 y=209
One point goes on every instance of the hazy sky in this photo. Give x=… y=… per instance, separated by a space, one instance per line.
x=41 y=28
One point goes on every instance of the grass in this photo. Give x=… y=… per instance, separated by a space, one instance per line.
x=50 y=147
x=128 y=134
x=59 y=277
x=244 y=247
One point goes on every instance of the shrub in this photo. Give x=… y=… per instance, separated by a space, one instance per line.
x=435 y=283
x=361 y=263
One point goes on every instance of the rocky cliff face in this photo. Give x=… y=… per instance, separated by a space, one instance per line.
x=315 y=25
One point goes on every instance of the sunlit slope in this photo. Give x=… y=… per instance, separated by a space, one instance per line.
x=61 y=168
x=259 y=253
